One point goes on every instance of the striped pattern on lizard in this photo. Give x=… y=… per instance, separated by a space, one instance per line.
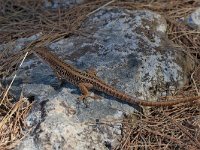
x=87 y=81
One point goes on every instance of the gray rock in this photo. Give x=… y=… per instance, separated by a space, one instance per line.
x=61 y=125
x=62 y=3
x=19 y=44
x=129 y=50
x=193 y=20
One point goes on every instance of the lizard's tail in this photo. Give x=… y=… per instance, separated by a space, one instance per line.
x=134 y=100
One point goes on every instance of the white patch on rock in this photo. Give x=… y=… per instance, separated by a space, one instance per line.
x=162 y=28
x=193 y=20
x=196 y=16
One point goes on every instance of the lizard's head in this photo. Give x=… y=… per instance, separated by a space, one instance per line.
x=40 y=51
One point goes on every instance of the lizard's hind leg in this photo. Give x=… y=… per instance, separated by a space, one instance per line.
x=84 y=88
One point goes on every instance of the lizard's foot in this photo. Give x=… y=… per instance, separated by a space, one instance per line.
x=84 y=87
x=95 y=97
x=82 y=97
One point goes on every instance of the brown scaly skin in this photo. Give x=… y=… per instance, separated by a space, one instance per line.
x=86 y=81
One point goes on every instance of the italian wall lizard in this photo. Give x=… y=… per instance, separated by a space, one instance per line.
x=88 y=80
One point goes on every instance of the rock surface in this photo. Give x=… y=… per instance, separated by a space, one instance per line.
x=129 y=50
x=61 y=127
x=128 y=47
x=193 y=20
x=62 y=3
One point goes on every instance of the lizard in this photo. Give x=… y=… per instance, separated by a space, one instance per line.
x=86 y=81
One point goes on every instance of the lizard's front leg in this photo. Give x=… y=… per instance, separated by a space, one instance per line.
x=92 y=72
x=58 y=75
x=84 y=88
